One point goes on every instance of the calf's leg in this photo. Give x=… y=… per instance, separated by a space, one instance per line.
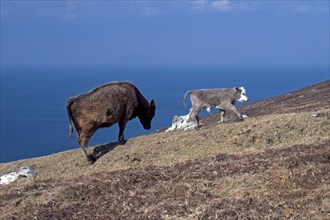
x=222 y=112
x=222 y=115
x=194 y=116
x=234 y=109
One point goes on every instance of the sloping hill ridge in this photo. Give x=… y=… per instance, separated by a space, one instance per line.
x=274 y=165
x=311 y=98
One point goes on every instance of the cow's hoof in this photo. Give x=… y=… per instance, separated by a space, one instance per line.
x=122 y=142
x=91 y=159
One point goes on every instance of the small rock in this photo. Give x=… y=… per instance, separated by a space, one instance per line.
x=26 y=171
x=8 y=178
x=12 y=176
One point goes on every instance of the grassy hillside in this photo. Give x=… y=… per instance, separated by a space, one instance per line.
x=274 y=165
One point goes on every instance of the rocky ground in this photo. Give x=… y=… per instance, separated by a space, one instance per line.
x=273 y=165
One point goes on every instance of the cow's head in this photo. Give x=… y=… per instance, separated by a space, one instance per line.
x=147 y=114
x=242 y=93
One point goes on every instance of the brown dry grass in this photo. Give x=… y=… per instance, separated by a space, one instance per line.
x=273 y=166
x=162 y=149
x=275 y=184
x=240 y=170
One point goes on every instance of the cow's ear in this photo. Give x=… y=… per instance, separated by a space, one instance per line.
x=152 y=103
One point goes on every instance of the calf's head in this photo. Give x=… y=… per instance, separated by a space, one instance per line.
x=242 y=93
x=147 y=114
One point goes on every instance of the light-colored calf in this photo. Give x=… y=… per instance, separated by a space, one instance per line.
x=222 y=99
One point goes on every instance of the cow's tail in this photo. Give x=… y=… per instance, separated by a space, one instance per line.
x=68 y=108
x=185 y=96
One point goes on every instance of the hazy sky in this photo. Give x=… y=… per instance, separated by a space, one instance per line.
x=202 y=32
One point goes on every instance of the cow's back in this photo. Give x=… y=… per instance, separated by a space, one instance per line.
x=109 y=102
x=213 y=96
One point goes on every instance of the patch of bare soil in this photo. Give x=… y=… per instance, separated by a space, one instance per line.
x=288 y=183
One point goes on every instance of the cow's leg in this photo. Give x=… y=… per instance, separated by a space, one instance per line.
x=83 y=142
x=194 y=116
x=122 y=124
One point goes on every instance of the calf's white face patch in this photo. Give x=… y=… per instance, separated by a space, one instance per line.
x=243 y=97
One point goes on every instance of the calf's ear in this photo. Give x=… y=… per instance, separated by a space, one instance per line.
x=238 y=89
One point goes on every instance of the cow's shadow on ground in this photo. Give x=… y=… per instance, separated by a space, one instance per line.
x=101 y=150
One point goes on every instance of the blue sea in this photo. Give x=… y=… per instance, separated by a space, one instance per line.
x=34 y=121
